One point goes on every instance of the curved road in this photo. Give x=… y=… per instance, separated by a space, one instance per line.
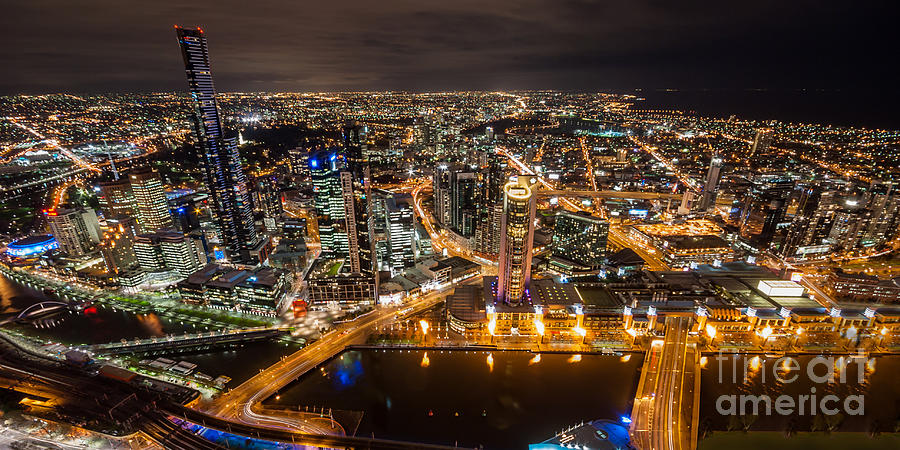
x=241 y=404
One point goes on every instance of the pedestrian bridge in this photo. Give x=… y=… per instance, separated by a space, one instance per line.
x=184 y=341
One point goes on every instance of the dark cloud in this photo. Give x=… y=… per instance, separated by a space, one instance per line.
x=101 y=46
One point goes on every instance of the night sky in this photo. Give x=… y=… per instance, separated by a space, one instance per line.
x=259 y=45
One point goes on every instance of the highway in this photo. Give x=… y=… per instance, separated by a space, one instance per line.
x=607 y=194
x=106 y=403
x=665 y=411
x=649 y=255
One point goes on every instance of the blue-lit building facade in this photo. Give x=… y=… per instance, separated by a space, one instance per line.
x=325 y=169
x=342 y=197
x=32 y=246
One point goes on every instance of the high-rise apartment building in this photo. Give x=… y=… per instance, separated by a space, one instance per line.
x=456 y=192
x=463 y=201
x=516 y=242
x=492 y=177
x=711 y=187
x=356 y=190
x=167 y=251
x=763 y=209
x=884 y=216
x=224 y=176
x=325 y=172
x=77 y=230
x=345 y=218
x=440 y=185
x=150 y=200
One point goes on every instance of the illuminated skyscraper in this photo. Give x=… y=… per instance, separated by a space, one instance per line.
x=400 y=229
x=150 y=200
x=491 y=179
x=325 y=168
x=116 y=199
x=346 y=271
x=342 y=193
x=356 y=190
x=761 y=142
x=442 y=199
x=516 y=240
x=225 y=178
x=710 y=189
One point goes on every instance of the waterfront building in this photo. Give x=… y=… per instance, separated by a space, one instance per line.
x=516 y=242
x=77 y=230
x=329 y=283
x=32 y=246
x=257 y=291
x=224 y=177
x=150 y=200
x=167 y=251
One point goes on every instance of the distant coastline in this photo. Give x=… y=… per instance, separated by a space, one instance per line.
x=853 y=108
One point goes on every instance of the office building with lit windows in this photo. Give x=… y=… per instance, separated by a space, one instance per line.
x=579 y=242
x=116 y=198
x=150 y=200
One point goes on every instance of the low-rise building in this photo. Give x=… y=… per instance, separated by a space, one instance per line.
x=864 y=287
x=328 y=283
x=257 y=291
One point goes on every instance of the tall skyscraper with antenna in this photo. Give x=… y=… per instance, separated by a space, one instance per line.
x=224 y=176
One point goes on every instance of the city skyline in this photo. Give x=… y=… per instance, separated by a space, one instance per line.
x=501 y=268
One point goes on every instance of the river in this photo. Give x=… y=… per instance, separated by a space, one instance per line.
x=102 y=324
x=470 y=398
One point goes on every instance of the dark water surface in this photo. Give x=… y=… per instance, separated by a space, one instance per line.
x=878 y=387
x=459 y=397
x=856 y=107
